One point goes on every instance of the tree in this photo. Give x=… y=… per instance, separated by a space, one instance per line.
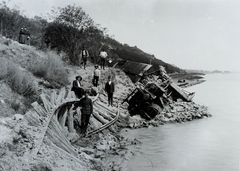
x=94 y=40
x=64 y=38
x=74 y=16
x=72 y=28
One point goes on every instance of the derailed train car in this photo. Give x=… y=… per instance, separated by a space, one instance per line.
x=148 y=100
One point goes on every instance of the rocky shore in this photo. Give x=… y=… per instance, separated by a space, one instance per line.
x=104 y=151
x=22 y=147
x=177 y=112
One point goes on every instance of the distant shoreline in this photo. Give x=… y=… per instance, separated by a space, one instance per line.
x=187 y=79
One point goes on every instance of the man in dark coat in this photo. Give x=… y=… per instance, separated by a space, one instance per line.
x=109 y=88
x=86 y=111
x=76 y=87
x=22 y=36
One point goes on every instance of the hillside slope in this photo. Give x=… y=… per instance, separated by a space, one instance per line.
x=17 y=136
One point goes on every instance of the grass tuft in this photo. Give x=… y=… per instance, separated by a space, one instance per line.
x=50 y=68
x=20 y=81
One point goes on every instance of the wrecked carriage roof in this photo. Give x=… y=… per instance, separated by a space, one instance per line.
x=135 y=68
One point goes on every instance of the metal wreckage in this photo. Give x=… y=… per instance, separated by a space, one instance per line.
x=153 y=93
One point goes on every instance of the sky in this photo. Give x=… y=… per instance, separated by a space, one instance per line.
x=190 y=34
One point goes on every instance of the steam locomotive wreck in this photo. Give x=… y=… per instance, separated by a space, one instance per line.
x=153 y=93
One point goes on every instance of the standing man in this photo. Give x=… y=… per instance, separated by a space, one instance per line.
x=22 y=36
x=96 y=76
x=109 y=88
x=85 y=55
x=76 y=87
x=103 y=55
x=86 y=111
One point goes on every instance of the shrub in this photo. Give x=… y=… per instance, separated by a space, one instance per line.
x=50 y=68
x=56 y=70
x=3 y=68
x=20 y=81
x=20 y=104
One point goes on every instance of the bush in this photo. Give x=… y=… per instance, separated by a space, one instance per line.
x=20 y=104
x=3 y=68
x=20 y=81
x=50 y=68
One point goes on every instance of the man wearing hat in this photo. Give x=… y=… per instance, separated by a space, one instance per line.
x=96 y=76
x=86 y=111
x=76 y=87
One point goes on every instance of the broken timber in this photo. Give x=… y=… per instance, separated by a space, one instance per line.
x=56 y=111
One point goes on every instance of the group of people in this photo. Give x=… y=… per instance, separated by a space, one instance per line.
x=84 y=55
x=85 y=102
x=24 y=36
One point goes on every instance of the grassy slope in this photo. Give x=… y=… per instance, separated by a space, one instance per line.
x=26 y=59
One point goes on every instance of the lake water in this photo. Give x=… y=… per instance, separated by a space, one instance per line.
x=209 y=144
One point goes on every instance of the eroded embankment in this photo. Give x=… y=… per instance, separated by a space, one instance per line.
x=29 y=148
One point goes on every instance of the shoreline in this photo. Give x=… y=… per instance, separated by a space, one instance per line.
x=178 y=112
x=103 y=151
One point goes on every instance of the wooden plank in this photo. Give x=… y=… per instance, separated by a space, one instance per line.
x=105 y=116
x=105 y=125
x=62 y=120
x=60 y=142
x=47 y=104
x=53 y=97
x=70 y=121
x=60 y=111
x=39 y=109
x=99 y=118
x=33 y=118
x=56 y=128
x=41 y=112
x=66 y=93
x=94 y=123
x=180 y=91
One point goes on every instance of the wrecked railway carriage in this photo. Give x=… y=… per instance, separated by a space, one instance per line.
x=152 y=94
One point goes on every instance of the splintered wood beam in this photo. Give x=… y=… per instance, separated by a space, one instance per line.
x=105 y=116
x=39 y=109
x=46 y=103
x=57 y=136
x=53 y=97
x=63 y=118
x=99 y=118
x=33 y=118
x=105 y=125
x=70 y=121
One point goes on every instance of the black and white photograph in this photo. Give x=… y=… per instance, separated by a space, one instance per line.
x=119 y=85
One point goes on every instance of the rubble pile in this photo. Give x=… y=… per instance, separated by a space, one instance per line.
x=183 y=112
x=176 y=112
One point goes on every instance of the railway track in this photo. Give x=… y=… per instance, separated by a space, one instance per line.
x=55 y=115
